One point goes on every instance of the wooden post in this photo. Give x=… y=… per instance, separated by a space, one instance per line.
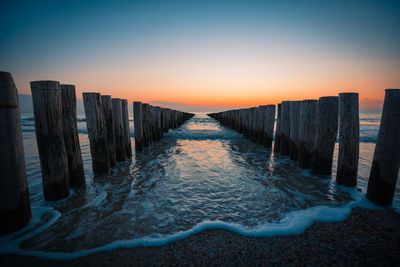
x=277 y=144
x=285 y=128
x=137 y=112
x=386 y=161
x=47 y=107
x=15 y=207
x=269 y=125
x=308 y=117
x=118 y=129
x=97 y=130
x=146 y=127
x=71 y=138
x=127 y=129
x=349 y=139
x=159 y=132
x=108 y=118
x=295 y=107
x=325 y=135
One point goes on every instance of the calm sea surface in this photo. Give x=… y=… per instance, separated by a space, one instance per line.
x=201 y=175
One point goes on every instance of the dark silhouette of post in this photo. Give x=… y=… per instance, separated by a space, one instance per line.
x=386 y=161
x=295 y=107
x=269 y=125
x=97 y=131
x=285 y=128
x=325 y=135
x=159 y=132
x=108 y=118
x=277 y=143
x=15 y=207
x=47 y=107
x=71 y=138
x=349 y=139
x=137 y=113
x=118 y=129
x=127 y=129
x=308 y=117
x=146 y=127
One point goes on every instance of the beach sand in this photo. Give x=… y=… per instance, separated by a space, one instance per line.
x=365 y=238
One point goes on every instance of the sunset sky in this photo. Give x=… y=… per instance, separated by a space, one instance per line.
x=207 y=53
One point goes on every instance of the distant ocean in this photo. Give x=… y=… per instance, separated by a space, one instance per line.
x=199 y=176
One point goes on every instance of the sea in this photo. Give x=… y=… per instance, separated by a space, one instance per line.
x=199 y=176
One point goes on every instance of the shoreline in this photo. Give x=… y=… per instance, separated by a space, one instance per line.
x=366 y=237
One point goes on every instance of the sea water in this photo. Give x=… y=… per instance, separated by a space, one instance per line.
x=199 y=176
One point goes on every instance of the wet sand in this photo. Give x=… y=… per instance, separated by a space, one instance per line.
x=364 y=238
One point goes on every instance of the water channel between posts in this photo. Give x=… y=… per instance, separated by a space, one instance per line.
x=201 y=175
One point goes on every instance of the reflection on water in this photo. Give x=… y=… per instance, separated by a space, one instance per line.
x=199 y=172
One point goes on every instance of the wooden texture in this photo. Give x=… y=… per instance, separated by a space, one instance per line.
x=108 y=118
x=71 y=138
x=325 y=135
x=386 y=161
x=349 y=138
x=127 y=129
x=308 y=118
x=97 y=131
x=47 y=107
x=15 y=209
x=295 y=107
x=277 y=143
x=138 y=125
x=269 y=125
x=118 y=129
x=285 y=128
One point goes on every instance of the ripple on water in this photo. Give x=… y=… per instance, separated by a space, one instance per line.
x=200 y=172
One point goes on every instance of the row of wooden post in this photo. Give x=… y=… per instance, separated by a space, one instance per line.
x=56 y=130
x=307 y=130
x=151 y=122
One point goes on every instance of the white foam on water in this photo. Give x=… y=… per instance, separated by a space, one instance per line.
x=295 y=222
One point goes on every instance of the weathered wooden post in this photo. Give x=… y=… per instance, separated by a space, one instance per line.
x=97 y=132
x=137 y=113
x=118 y=129
x=277 y=143
x=15 y=207
x=308 y=119
x=325 y=135
x=386 y=161
x=108 y=118
x=349 y=139
x=295 y=107
x=71 y=138
x=285 y=128
x=159 y=132
x=146 y=127
x=47 y=107
x=269 y=125
x=127 y=129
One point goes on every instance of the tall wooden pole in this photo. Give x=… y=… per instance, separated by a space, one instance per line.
x=97 y=130
x=118 y=129
x=325 y=135
x=15 y=207
x=71 y=138
x=285 y=128
x=349 y=139
x=127 y=129
x=295 y=107
x=386 y=161
x=108 y=118
x=47 y=107
x=277 y=143
x=308 y=117
x=137 y=113
x=269 y=125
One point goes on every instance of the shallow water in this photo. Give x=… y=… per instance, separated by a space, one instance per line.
x=201 y=175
